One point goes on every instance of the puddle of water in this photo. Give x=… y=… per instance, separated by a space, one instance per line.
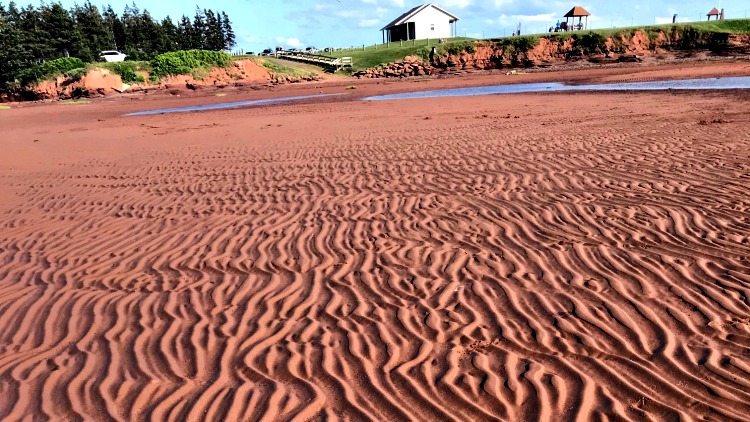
x=742 y=82
x=687 y=84
x=237 y=104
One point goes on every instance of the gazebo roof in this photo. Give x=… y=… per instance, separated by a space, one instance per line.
x=577 y=12
x=713 y=12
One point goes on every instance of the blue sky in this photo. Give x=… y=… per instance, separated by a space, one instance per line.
x=262 y=24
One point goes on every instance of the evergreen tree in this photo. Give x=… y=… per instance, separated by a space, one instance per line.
x=213 y=33
x=32 y=35
x=131 y=21
x=151 y=33
x=169 y=36
x=227 y=32
x=199 y=30
x=12 y=57
x=60 y=32
x=185 y=36
x=97 y=36
x=115 y=28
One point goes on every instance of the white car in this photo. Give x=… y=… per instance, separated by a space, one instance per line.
x=113 y=56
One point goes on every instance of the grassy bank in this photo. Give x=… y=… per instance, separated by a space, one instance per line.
x=375 y=55
x=130 y=72
x=279 y=68
x=713 y=34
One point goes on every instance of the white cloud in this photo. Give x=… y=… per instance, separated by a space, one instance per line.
x=368 y=23
x=503 y=3
x=289 y=42
x=458 y=4
x=514 y=19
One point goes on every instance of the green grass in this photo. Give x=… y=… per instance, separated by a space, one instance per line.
x=376 y=55
x=727 y=26
x=186 y=62
x=128 y=70
x=135 y=66
x=279 y=69
x=76 y=102
x=711 y=34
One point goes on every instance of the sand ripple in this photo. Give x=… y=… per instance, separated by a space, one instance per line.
x=480 y=267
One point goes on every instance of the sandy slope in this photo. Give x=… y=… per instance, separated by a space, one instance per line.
x=529 y=257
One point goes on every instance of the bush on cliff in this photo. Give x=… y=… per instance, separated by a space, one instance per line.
x=187 y=61
x=591 y=43
x=49 y=69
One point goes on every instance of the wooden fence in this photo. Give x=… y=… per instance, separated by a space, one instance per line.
x=334 y=63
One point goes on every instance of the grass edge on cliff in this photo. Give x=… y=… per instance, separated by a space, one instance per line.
x=381 y=54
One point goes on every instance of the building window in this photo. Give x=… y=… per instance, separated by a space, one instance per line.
x=432 y=27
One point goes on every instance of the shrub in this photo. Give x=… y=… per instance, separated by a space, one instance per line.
x=50 y=69
x=424 y=53
x=519 y=44
x=590 y=43
x=76 y=74
x=135 y=55
x=187 y=61
x=718 y=42
x=127 y=73
x=455 y=49
x=60 y=66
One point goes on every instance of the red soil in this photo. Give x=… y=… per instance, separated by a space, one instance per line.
x=520 y=257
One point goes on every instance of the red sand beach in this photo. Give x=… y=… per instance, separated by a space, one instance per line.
x=569 y=256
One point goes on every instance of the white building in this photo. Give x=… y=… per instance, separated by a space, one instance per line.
x=425 y=21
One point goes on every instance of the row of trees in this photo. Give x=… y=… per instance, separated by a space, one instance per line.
x=31 y=35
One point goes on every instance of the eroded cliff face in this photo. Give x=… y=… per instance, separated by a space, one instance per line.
x=100 y=82
x=506 y=53
x=519 y=52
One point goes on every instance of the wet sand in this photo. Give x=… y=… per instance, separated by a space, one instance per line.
x=569 y=256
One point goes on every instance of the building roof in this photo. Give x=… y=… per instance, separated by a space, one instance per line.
x=713 y=12
x=415 y=11
x=576 y=12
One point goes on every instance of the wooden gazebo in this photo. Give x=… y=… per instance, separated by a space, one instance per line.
x=712 y=13
x=577 y=12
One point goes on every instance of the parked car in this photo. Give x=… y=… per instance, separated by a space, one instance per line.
x=311 y=50
x=113 y=56
x=266 y=52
